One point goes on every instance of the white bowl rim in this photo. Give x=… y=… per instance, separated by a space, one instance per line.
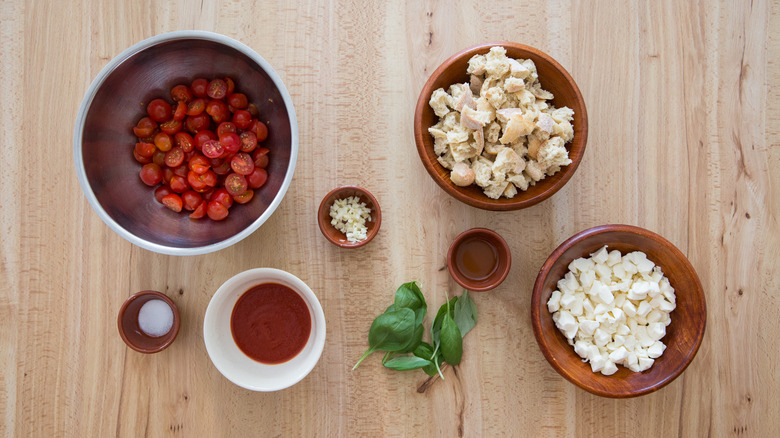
x=211 y=339
x=90 y=95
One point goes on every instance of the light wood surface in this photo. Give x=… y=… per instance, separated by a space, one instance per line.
x=682 y=100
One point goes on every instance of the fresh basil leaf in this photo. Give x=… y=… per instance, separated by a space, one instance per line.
x=405 y=363
x=465 y=314
x=451 y=341
x=414 y=341
x=443 y=310
x=390 y=331
x=409 y=296
x=425 y=351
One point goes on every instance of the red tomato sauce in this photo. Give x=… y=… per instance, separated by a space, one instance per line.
x=270 y=323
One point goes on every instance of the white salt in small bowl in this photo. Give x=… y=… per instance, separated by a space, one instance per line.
x=156 y=313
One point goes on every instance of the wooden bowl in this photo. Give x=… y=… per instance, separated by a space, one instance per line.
x=503 y=258
x=553 y=77
x=131 y=333
x=683 y=335
x=335 y=236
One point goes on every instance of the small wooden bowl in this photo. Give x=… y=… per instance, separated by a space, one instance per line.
x=553 y=77
x=335 y=236
x=683 y=335
x=131 y=333
x=503 y=260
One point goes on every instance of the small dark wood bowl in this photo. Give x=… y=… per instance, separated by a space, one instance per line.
x=502 y=268
x=553 y=77
x=683 y=335
x=335 y=236
x=131 y=333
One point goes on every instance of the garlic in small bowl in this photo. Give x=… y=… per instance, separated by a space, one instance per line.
x=349 y=216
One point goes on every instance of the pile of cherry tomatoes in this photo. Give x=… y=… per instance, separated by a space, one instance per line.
x=203 y=148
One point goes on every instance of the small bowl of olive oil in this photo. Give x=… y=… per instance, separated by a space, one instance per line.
x=479 y=259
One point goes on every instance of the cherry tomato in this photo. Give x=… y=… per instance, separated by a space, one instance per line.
x=200 y=211
x=145 y=150
x=181 y=111
x=199 y=87
x=167 y=175
x=226 y=127
x=196 y=107
x=151 y=174
x=184 y=141
x=230 y=142
x=204 y=136
x=244 y=197
x=141 y=159
x=145 y=127
x=248 y=141
x=242 y=119
x=191 y=199
x=216 y=210
x=217 y=89
x=161 y=192
x=171 y=127
x=158 y=158
x=181 y=93
x=212 y=149
x=231 y=86
x=223 y=168
x=197 y=123
x=223 y=197
x=163 y=141
x=238 y=101
x=174 y=157
x=242 y=164
x=179 y=184
x=260 y=129
x=257 y=178
x=172 y=201
x=260 y=155
x=199 y=164
x=235 y=184
x=159 y=110
x=218 y=111
x=203 y=181
x=252 y=108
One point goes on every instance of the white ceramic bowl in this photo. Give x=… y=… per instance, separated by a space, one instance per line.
x=232 y=362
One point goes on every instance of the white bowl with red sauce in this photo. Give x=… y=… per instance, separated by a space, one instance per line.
x=264 y=329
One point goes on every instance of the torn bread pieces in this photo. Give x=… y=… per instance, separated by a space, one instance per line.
x=502 y=109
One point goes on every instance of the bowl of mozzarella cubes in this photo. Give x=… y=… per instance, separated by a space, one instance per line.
x=618 y=310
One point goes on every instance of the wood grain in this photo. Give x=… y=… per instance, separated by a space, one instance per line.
x=684 y=127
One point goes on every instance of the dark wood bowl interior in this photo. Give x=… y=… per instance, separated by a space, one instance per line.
x=335 y=236
x=683 y=336
x=553 y=77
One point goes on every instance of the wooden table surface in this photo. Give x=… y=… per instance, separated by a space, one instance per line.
x=682 y=99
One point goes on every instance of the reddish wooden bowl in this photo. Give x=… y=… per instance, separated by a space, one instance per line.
x=335 y=236
x=503 y=260
x=683 y=335
x=131 y=333
x=553 y=77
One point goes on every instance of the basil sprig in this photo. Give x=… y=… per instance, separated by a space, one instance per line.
x=399 y=331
